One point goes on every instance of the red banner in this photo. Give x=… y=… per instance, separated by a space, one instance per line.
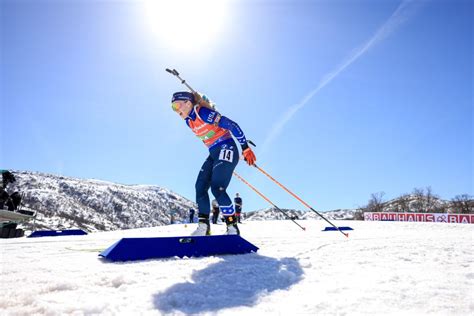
x=420 y=217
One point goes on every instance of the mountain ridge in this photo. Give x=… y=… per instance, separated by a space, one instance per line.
x=96 y=205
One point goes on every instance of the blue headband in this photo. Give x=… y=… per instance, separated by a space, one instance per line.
x=183 y=96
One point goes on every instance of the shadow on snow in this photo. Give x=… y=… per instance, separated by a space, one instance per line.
x=236 y=281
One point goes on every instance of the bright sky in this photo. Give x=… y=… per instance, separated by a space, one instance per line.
x=342 y=98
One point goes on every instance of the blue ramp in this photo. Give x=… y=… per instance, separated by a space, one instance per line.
x=189 y=246
x=330 y=228
x=52 y=233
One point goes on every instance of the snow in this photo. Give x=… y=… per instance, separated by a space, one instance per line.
x=382 y=268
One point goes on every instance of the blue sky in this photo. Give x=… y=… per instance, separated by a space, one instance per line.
x=342 y=98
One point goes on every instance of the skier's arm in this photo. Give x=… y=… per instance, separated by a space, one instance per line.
x=213 y=117
x=234 y=128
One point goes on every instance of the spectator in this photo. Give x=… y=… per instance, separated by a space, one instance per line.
x=215 y=211
x=191 y=215
x=238 y=207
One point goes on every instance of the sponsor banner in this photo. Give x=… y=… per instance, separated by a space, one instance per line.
x=461 y=218
x=420 y=217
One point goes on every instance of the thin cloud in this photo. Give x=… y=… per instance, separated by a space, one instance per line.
x=404 y=11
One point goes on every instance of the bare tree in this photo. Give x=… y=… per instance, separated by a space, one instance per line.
x=464 y=203
x=439 y=209
x=376 y=202
x=404 y=203
x=359 y=214
x=430 y=200
x=419 y=194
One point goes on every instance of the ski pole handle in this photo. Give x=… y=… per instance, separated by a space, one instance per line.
x=198 y=98
x=175 y=73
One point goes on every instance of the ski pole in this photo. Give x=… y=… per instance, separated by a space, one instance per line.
x=266 y=199
x=174 y=72
x=198 y=98
x=299 y=199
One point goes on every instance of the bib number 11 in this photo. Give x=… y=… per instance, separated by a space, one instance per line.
x=226 y=155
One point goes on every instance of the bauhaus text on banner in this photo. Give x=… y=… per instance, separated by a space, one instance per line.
x=420 y=217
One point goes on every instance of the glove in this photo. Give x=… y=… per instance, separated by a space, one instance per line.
x=249 y=156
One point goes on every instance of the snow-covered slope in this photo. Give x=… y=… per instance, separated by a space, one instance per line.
x=273 y=213
x=64 y=202
x=383 y=268
x=94 y=205
x=414 y=203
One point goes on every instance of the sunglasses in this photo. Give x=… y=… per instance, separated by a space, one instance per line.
x=177 y=106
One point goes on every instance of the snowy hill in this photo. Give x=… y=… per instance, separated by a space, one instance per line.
x=64 y=202
x=422 y=203
x=383 y=268
x=274 y=214
x=94 y=205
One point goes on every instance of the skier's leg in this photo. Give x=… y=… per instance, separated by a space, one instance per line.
x=203 y=183
x=221 y=176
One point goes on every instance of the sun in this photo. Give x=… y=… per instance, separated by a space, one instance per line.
x=183 y=25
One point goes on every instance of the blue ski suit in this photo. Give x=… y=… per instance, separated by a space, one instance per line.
x=216 y=132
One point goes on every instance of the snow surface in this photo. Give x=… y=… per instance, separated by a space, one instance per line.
x=382 y=268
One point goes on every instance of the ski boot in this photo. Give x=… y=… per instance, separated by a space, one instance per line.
x=232 y=228
x=204 y=228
